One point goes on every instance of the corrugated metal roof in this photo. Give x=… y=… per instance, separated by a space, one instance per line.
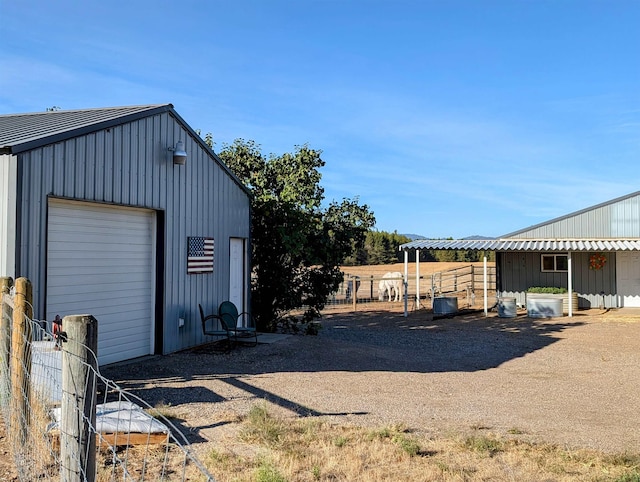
x=21 y=132
x=526 y=244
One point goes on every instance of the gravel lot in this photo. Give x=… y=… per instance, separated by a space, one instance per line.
x=571 y=381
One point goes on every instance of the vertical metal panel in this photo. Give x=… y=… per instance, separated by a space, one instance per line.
x=8 y=186
x=619 y=219
x=130 y=165
x=521 y=270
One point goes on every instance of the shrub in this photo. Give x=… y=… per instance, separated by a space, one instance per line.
x=548 y=290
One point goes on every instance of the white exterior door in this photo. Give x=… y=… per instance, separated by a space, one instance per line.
x=100 y=261
x=236 y=273
x=628 y=278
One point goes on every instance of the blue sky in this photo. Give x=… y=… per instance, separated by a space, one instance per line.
x=448 y=118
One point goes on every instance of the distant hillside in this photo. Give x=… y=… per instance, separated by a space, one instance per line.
x=475 y=236
x=415 y=237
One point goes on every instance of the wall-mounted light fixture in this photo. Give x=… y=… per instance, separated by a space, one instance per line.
x=179 y=154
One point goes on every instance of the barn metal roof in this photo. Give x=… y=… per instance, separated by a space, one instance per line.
x=526 y=244
x=21 y=132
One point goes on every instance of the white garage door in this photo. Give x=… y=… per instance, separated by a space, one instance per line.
x=100 y=262
x=628 y=278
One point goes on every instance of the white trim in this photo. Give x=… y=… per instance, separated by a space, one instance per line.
x=555 y=257
x=8 y=199
x=405 y=284
x=417 y=279
x=570 y=282
x=485 y=286
x=237 y=262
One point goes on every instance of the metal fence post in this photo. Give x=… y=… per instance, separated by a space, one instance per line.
x=354 y=291
x=5 y=340
x=78 y=405
x=21 y=362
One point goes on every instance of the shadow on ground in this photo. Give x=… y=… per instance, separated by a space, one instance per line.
x=358 y=342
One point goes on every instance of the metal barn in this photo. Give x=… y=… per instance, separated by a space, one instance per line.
x=124 y=213
x=594 y=253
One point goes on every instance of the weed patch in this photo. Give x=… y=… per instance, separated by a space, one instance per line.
x=312 y=449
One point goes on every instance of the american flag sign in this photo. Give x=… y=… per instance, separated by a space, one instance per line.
x=200 y=255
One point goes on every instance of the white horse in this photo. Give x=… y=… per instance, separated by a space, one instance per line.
x=388 y=285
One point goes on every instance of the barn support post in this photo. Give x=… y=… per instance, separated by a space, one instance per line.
x=417 y=279
x=20 y=364
x=484 y=285
x=78 y=404
x=5 y=340
x=570 y=282
x=405 y=283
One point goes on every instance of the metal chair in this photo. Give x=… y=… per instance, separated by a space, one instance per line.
x=219 y=327
x=228 y=312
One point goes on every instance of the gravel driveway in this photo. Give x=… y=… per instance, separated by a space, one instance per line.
x=572 y=381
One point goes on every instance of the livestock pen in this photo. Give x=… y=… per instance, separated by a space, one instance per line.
x=361 y=289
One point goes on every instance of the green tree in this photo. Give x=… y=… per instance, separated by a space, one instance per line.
x=298 y=244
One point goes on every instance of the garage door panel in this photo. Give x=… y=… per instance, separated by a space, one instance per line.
x=119 y=279
x=130 y=311
x=100 y=261
x=89 y=250
x=118 y=339
x=120 y=290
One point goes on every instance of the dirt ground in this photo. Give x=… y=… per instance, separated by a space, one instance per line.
x=7 y=466
x=426 y=268
x=568 y=381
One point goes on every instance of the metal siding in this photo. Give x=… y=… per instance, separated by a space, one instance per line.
x=619 y=219
x=8 y=186
x=625 y=218
x=131 y=165
x=521 y=270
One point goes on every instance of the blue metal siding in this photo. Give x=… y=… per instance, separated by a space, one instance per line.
x=130 y=165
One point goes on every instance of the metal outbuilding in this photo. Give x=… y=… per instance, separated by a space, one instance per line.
x=594 y=252
x=124 y=213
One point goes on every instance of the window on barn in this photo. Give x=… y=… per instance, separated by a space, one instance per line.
x=555 y=262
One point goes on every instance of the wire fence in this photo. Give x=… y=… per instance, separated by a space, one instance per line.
x=367 y=292
x=67 y=422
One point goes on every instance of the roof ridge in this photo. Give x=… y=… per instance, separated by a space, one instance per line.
x=71 y=111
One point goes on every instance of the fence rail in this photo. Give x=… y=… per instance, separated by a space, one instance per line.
x=67 y=422
x=467 y=283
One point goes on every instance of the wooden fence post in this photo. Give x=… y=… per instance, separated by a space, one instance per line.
x=21 y=338
x=5 y=340
x=78 y=405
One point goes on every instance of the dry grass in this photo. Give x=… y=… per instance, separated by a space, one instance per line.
x=312 y=450
x=426 y=268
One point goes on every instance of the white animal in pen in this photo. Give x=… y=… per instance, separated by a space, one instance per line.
x=391 y=285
